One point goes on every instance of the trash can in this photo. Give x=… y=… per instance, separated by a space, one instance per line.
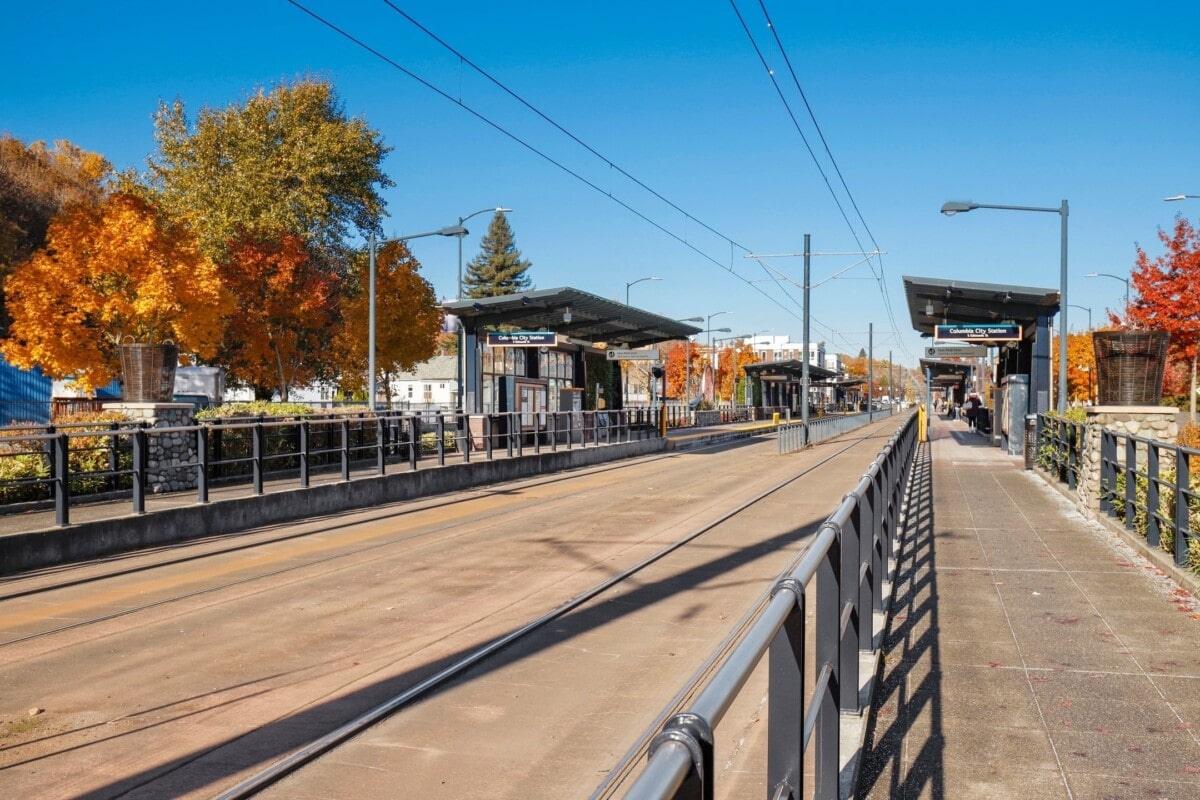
x=1030 y=440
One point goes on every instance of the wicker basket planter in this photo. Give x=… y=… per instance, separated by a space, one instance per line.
x=1129 y=366
x=149 y=372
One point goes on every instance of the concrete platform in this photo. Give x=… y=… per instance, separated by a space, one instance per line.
x=1032 y=652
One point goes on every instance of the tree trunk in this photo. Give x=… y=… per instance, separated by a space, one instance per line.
x=283 y=387
x=1193 y=392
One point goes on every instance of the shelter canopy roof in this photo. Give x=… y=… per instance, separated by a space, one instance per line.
x=592 y=318
x=955 y=301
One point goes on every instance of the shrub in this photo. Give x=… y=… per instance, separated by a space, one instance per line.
x=25 y=462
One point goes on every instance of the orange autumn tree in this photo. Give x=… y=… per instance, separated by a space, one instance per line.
x=280 y=332
x=111 y=270
x=408 y=322
x=1081 y=367
x=745 y=354
x=675 y=356
x=1168 y=294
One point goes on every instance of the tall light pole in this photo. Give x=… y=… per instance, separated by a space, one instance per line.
x=1114 y=277
x=687 y=358
x=461 y=356
x=952 y=208
x=708 y=324
x=452 y=230
x=1087 y=309
x=461 y=220
x=633 y=283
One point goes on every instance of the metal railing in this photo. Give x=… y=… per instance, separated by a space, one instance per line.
x=846 y=561
x=1060 y=447
x=1144 y=483
x=795 y=436
x=63 y=464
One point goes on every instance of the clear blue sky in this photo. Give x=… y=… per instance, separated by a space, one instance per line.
x=1015 y=104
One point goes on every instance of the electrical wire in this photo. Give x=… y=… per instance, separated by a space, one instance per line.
x=541 y=154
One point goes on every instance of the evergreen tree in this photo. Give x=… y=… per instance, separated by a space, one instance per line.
x=499 y=268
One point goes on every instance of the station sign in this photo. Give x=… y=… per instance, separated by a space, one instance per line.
x=635 y=355
x=522 y=338
x=978 y=332
x=959 y=351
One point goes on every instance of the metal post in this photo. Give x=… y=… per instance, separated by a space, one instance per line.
x=140 y=450
x=305 y=446
x=1062 y=320
x=202 y=464
x=62 y=476
x=804 y=367
x=870 y=370
x=345 y=448
x=371 y=328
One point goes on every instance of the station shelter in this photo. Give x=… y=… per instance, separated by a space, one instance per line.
x=1010 y=326
x=778 y=384
x=548 y=349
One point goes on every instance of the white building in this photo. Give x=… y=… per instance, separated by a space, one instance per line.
x=430 y=386
x=770 y=348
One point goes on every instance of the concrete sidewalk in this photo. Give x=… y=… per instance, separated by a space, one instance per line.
x=1031 y=653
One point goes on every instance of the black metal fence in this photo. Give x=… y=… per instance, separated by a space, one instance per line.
x=1145 y=483
x=846 y=564
x=57 y=464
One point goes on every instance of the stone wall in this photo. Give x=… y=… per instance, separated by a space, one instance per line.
x=1160 y=423
x=171 y=462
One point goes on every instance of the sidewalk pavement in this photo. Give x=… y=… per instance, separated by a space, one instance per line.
x=1031 y=652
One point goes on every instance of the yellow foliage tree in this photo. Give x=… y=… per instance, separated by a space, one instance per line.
x=407 y=319
x=115 y=269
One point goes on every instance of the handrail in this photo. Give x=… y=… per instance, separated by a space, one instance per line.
x=848 y=580
x=136 y=459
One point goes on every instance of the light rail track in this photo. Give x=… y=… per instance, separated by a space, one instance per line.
x=307 y=755
x=543 y=563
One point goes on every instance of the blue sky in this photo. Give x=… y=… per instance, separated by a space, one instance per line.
x=1016 y=104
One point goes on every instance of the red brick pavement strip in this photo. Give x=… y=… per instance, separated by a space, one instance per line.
x=1032 y=652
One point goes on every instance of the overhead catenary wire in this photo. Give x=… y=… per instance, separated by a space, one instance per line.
x=812 y=154
x=549 y=159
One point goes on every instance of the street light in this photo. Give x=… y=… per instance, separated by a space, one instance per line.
x=952 y=208
x=632 y=283
x=461 y=356
x=461 y=220
x=708 y=324
x=1182 y=197
x=687 y=360
x=1087 y=309
x=451 y=230
x=1114 y=277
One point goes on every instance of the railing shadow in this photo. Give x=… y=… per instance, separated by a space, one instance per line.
x=908 y=706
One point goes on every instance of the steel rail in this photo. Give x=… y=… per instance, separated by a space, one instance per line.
x=314 y=750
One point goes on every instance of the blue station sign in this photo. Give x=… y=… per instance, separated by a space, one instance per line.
x=978 y=332
x=522 y=338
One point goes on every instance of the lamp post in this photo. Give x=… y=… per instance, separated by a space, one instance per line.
x=687 y=358
x=708 y=324
x=461 y=220
x=952 y=208
x=452 y=230
x=461 y=356
x=1182 y=197
x=632 y=283
x=1114 y=277
x=1087 y=309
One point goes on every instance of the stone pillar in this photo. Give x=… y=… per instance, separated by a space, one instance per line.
x=1149 y=422
x=172 y=457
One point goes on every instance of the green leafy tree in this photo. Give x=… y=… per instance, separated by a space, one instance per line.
x=286 y=160
x=36 y=183
x=499 y=268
